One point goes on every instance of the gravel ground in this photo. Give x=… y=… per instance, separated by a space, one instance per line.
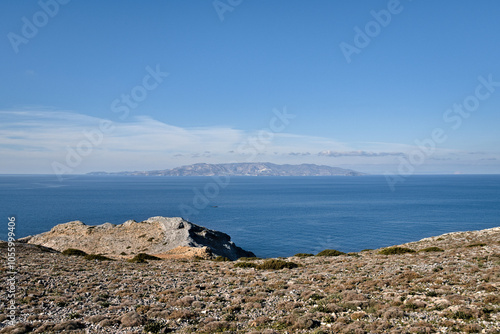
x=451 y=289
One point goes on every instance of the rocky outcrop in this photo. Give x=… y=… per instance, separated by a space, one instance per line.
x=183 y=252
x=156 y=235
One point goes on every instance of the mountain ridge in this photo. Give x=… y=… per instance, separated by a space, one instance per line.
x=243 y=169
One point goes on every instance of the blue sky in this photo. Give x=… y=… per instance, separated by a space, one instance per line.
x=226 y=69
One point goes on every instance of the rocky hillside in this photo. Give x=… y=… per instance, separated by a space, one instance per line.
x=445 y=284
x=245 y=169
x=158 y=235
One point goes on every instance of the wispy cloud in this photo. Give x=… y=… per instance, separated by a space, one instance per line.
x=329 y=153
x=31 y=140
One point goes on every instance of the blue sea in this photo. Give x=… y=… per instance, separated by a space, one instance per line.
x=271 y=216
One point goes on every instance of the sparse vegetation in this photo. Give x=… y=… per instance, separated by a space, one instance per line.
x=143 y=258
x=476 y=245
x=222 y=259
x=97 y=257
x=73 y=252
x=303 y=255
x=431 y=249
x=245 y=265
x=153 y=327
x=274 y=264
x=395 y=250
x=456 y=291
x=330 y=252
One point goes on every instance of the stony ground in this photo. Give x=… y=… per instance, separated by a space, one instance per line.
x=456 y=290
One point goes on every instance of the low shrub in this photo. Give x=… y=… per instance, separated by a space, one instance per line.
x=218 y=327
x=153 y=327
x=315 y=296
x=276 y=265
x=222 y=259
x=303 y=255
x=330 y=252
x=476 y=245
x=142 y=258
x=395 y=250
x=73 y=252
x=464 y=314
x=492 y=299
x=472 y=328
x=432 y=249
x=249 y=258
x=97 y=257
x=245 y=265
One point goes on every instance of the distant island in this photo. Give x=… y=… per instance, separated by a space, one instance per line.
x=244 y=169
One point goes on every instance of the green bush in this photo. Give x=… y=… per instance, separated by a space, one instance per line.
x=73 y=252
x=274 y=264
x=316 y=296
x=249 y=258
x=303 y=255
x=395 y=250
x=330 y=252
x=97 y=257
x=153 y=327
x=142 y=258
x=222 y=259
x=431 y=249
x=245 y=265
x=462 y=314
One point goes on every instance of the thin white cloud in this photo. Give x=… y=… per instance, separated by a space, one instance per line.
x=330 y=153
x=32 y=140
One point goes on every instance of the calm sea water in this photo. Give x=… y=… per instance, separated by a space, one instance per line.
x=271 y=216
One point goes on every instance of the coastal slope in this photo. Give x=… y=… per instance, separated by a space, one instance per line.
x=443 y=284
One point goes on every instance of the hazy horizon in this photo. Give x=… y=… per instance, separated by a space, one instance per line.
x=380 y=87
